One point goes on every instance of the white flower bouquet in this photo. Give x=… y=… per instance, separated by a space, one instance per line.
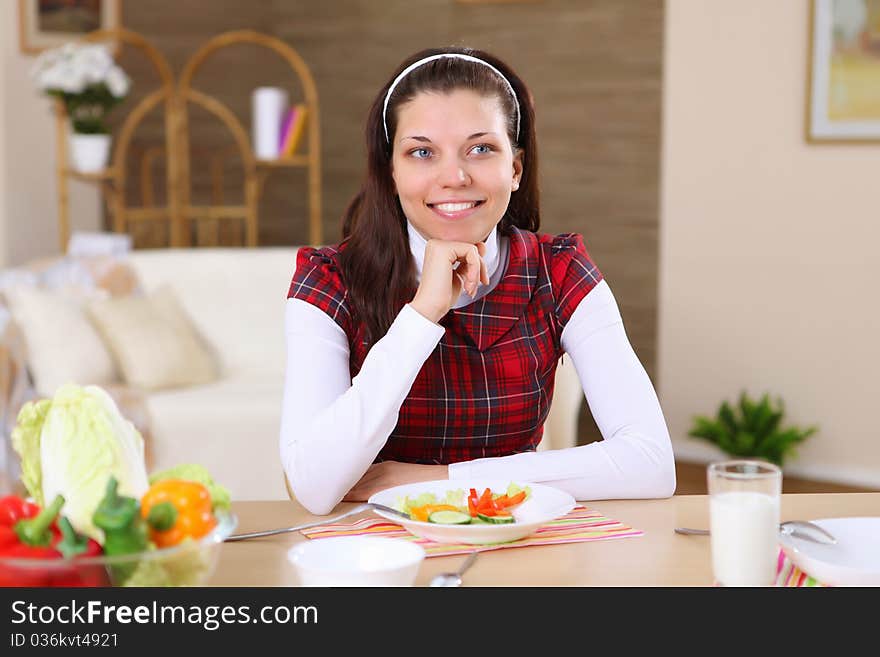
x=86 y=79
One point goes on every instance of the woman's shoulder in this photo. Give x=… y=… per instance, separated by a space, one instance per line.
x=569 y=264
x=318 y=255
x=561 y=241
x=317 y=274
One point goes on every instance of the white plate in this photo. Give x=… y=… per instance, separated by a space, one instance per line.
x=853 y=561
x=544 y=505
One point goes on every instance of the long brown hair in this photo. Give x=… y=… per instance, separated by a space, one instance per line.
x=376 y=263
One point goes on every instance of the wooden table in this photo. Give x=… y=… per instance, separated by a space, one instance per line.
x=658 y=558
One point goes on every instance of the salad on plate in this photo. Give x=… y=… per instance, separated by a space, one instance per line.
x=472 y=511
x=459 y=508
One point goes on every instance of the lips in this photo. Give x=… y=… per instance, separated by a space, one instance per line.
x=455 y=209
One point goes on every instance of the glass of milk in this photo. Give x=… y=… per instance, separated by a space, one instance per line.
x=744 y=521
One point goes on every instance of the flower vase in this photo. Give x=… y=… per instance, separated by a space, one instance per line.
x=89 y=153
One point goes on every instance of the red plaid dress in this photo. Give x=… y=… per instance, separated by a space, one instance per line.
x=486 y=388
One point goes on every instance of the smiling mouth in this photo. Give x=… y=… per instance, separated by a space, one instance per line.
x=455 y=207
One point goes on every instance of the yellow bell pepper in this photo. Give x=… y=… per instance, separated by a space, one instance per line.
x=176 y=509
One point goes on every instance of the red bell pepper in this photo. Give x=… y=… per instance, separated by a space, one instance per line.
x=472 y=503
x=488 y=505
x=29 y=535
x=33 y=540
x=37 y=531
x=73 y=545
x=505 y=502
x=13 y=508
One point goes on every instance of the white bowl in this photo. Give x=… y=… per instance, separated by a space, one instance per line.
x=356 y=561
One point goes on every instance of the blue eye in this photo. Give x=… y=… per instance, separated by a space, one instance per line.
x=482 y=149
x=420 y=153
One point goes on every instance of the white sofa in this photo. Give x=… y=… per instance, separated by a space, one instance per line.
x=235 y=298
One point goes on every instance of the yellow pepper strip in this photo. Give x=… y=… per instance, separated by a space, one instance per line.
x=422 y=512
x=176 y=509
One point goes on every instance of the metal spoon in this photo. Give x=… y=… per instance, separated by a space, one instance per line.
x=454 y=579
x=798 y=528
x=360 y=508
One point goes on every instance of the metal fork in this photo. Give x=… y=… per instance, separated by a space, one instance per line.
x=797 y=528
x=360 y=508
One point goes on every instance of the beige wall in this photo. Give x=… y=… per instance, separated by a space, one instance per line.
x=5 y=37
x=28 y=198
x=767 y=276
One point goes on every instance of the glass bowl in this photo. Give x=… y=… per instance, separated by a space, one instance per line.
x=188 y=564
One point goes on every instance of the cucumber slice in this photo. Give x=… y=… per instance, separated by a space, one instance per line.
x=449 y=518
x=496 y=520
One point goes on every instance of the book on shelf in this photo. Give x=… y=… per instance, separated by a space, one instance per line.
x=292 y=129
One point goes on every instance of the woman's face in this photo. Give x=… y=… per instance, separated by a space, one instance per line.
x=453 y=164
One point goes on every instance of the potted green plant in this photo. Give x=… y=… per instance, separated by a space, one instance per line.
x=89 y=83
x=751 y=429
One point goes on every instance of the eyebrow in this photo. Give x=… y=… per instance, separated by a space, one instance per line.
x=476 y=135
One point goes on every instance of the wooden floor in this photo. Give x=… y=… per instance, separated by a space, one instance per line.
x=691 y=480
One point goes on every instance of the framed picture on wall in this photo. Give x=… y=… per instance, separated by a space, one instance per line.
x=843 y=103
x=44 y=24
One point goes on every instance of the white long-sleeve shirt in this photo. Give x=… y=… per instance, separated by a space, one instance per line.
x=333 y=426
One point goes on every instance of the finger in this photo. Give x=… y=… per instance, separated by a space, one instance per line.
x=474 y=269
x=484 y=272
x=466 y=279
x=461 y=282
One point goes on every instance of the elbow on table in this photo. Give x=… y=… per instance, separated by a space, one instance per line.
x=665 y=482
x=316 y=502
x=316 y=499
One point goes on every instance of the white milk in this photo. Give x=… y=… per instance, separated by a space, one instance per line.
x=745 y=530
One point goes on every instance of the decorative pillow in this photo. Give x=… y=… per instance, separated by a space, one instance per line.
x=153 y=341
x=62 y=344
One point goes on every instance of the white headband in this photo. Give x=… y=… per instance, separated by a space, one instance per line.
x=468 y=58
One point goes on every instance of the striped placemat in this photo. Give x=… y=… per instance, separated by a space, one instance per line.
x=787 y=574
x=579 y=525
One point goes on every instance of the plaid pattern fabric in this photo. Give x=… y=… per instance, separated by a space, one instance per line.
x=486 y=389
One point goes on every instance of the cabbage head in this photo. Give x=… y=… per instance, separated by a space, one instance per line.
x=71 y=445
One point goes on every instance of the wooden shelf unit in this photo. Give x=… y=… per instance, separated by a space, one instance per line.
x=178 y=212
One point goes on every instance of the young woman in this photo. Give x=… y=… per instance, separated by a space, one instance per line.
x=424 y=346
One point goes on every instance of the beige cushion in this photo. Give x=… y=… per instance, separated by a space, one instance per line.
x=153 y=341
x=235 y=297
x=63 y=346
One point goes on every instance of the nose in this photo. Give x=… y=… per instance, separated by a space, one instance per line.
x=453 y=174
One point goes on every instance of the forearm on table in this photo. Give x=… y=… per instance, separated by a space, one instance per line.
x=332 y=426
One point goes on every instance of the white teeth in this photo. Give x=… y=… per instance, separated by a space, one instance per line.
x=455 y=207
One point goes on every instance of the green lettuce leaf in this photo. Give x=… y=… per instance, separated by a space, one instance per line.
x=26 y=442
x=407 y=504
x=513 y=489
x=72 y=444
